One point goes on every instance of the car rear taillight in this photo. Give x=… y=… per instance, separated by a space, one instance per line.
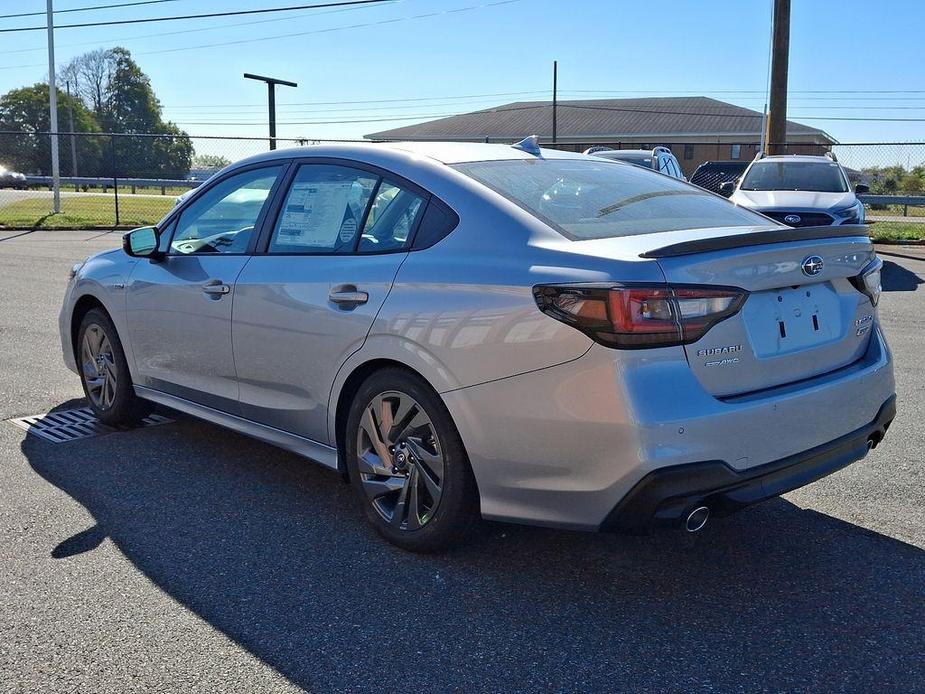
x=639 y=316
x=868 y=282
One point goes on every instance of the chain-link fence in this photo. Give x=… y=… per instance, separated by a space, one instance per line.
x=109 y=180
x=117 y=180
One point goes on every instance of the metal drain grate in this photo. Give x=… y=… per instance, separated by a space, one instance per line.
x=70 y=425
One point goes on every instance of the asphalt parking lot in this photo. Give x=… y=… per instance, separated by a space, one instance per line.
x=186 y=558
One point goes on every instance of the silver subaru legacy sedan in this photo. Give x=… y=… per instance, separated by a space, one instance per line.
x=476 y=331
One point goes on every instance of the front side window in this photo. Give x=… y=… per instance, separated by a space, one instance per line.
x=588 y=199
x=222 y=220
x=821 y=177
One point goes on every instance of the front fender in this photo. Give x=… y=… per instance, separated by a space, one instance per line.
x=103 y=279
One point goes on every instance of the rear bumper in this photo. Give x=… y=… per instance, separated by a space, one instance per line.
x=666 y=496
x=563 y=446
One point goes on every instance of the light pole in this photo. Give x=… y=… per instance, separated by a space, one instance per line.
x=271 y=99
x=53 y=107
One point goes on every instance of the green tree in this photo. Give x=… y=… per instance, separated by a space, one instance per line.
x=911 y=183
x=25 y=111
x=210 y=161
x=123 y=100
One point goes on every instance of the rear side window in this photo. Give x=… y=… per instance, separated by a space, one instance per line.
x=588 y=199
x=391 y=219
x=338 y=209
x=438 y=221
x=324 y=210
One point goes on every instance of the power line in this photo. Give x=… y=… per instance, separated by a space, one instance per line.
x=374 y=101
x=388 y=118
x=87 y=9
x=460 y=97
x=160 y=34
x=319 y=122
x=210 y=15
x=456 y=104
x=425 y=15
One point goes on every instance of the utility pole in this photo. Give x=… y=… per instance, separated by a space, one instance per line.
x=53 y=107
x=780 y=52
x=70 y=111
x=555 y=79
x=271 y=99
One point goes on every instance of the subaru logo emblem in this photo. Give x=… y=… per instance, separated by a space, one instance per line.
x=811 y=265
x=793 y=219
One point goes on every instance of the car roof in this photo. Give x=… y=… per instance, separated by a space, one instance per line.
x=810 y=158
x=646 y=152
x=442 y=152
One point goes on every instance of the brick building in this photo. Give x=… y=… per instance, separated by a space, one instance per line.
x=696 y=128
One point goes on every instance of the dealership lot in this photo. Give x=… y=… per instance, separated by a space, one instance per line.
x=183 y=557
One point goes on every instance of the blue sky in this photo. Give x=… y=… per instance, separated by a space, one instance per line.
x=433 y=65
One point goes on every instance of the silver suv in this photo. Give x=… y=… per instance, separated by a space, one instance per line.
x=658 y=159
x=799 y=190
x=474 y=330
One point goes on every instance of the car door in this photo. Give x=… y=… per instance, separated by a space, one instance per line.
x=179 y=307
x=308 y=302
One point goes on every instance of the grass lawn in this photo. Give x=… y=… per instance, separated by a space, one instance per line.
x=897 y=231
x=83 y=212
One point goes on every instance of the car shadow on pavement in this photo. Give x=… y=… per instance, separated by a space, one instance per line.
x=896 y=278
x=274 y=552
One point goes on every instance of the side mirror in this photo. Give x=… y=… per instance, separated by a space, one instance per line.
x=142 y=242
x=861 y=189
x=727 y=188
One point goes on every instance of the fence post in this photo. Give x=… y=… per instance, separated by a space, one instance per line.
x=115 y=179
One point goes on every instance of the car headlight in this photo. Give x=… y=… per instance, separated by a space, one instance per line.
x=855 y=213
x=75 y=268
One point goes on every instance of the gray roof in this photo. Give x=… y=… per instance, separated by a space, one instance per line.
x=599 y=118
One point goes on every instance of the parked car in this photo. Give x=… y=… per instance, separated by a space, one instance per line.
x=799 y=190
x=475 y=330
x=658 y=159
x=12 y=179
x=711 y=175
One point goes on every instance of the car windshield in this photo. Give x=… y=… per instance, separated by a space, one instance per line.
x=588 y=199
x=821 y=177
x=643 y=160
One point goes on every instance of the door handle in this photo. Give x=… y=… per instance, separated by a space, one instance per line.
x=348 y=296
x=216 y=288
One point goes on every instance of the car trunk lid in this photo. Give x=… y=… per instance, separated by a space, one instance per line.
x=802 y=317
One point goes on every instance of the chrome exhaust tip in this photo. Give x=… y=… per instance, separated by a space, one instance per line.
x=697 y=519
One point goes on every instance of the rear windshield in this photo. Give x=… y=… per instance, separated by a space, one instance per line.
x=821 y=177
x=588 y=199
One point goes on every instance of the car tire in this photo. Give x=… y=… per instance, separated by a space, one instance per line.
x=104 y=372
x=407 y=463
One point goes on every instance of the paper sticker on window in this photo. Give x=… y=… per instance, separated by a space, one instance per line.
x=314 y=215
x=348 y=230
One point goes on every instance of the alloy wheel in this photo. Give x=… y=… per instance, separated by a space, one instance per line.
x=400 y=460
x=99 y=368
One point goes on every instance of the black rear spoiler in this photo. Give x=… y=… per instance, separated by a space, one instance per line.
x=756 y=238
